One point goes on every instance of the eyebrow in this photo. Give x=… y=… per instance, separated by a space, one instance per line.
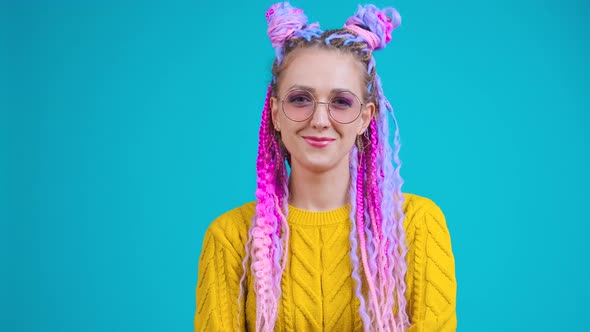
x=310 y=89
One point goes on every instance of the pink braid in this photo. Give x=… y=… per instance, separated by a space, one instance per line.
x=385 y=281
x=360 y=219
x=371 y=39
x=265 y=249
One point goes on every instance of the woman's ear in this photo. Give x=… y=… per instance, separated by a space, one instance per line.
x=366 y=116
x=274 y=112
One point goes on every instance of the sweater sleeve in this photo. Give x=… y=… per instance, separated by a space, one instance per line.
x=218 y=286
x=433 y=284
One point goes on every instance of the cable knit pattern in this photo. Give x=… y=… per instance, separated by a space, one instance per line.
x=318 y=291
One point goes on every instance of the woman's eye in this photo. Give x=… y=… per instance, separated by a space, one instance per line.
x=341 y=102
x=299 y=100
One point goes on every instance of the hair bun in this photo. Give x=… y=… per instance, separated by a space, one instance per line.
x=283 y=21
x=379 y=23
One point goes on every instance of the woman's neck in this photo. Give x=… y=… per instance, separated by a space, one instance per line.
x=319 y=191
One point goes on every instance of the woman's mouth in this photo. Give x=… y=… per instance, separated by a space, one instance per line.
x=318 y=142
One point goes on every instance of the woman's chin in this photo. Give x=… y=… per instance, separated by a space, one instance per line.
x=317 y=164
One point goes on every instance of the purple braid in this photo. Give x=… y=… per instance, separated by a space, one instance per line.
x=377 y=140
x=284 y=22
x=391 y=205
x=380 y=24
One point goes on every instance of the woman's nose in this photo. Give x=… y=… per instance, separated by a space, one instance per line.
x=321 y=116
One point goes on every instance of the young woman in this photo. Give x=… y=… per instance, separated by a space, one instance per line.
x=331 y=244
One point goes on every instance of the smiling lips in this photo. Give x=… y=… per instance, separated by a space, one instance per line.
x=318 y=142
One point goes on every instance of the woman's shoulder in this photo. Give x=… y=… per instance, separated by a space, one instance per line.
x=231 y=227
x=414 y=203
x=237 y=218
x=423 y=217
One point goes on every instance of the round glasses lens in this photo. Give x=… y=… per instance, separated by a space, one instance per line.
x=345 y=107
x=298 y=105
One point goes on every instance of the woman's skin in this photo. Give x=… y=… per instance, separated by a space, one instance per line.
x=320 y=175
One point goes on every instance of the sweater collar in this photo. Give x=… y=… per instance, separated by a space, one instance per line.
x=313 y=218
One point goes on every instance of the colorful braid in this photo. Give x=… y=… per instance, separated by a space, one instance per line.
x=285 y=21
x=374 y=27
x=360 y=225
x=374 y=198
x=392 y=208
x=354 y=248
x=268 y=235
x=380 y=24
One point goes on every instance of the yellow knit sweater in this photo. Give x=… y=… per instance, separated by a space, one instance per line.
x=317 y=288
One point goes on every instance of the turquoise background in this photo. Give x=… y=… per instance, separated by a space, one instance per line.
x=127 y=127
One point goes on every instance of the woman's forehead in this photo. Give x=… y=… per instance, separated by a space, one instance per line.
x=322 y=71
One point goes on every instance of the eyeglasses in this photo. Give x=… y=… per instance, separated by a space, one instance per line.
x=344 y=106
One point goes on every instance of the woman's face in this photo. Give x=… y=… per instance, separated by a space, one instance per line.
x=319 y=143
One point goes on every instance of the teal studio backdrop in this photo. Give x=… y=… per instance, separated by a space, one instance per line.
x=127 y=127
